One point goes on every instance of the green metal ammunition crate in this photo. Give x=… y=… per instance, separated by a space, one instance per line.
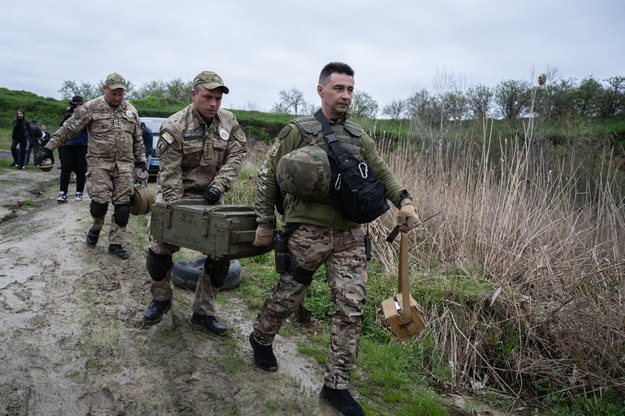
x=219 y=231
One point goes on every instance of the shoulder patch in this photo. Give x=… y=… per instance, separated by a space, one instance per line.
x=238 y=134
x=167 y=137
x=284 y=132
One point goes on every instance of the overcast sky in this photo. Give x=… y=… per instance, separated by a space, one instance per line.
x=262 y=47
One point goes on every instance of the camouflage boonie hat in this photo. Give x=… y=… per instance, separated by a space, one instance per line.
x=210 y=81
x=305 y=173
x=115 y=81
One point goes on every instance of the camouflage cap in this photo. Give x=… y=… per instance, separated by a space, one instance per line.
x=210 y=81
x=115 y=81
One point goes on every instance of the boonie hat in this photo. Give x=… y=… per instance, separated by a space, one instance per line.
x=210 y=81
x=115 y=81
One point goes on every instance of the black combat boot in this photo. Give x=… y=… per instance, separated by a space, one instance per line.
x=154 y=313
x=119 y=251
x=342 y=401
x=263 y=355
x=208 y=323
x=92 y=237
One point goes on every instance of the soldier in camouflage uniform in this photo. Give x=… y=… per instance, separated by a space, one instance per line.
x=201 y=149
x=115 y=149
x=322 y=235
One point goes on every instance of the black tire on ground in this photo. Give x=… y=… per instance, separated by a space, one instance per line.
x=185 y=274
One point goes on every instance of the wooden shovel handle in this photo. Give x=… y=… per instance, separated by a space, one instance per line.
x=402 y=284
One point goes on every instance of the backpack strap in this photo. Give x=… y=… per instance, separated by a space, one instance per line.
x=333 y=142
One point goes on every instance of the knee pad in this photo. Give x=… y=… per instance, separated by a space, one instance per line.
x=158 y=264
x=122 y=212
x=303 y=276
x=217 y=270
x=98 y=209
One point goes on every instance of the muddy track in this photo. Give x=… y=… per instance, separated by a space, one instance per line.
x=71 y=335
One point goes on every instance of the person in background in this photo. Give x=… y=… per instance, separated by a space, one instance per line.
x=45 y=135
x=19 y=139
x=322 y=235
x=73 y=156
x=33 y=141
x=115 y=146
x=201 y=149
x=148 y=139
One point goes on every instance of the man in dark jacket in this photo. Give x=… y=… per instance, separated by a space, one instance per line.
x=34 y=135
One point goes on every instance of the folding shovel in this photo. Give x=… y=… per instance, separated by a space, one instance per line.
x=401 y=312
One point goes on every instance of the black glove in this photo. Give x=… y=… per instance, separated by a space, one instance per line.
x=44 y=154
x=141 y=165
x=212 y=195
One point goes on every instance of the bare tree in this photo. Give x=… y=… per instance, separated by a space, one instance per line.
x=279 y=108
x=395 y=109
x=292 y=101
x=86 y=90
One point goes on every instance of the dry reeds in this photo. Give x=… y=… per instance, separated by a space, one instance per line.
x=550 y=242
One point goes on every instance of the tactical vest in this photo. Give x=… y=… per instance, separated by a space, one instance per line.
x=348 y=133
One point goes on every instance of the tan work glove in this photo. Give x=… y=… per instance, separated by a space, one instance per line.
x=407 y=219
x=264 y=235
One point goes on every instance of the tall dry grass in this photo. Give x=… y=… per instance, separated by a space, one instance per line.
x=548 y=241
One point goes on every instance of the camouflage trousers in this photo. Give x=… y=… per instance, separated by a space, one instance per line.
x=106 y=185
x=343 y=254
x=205 y=291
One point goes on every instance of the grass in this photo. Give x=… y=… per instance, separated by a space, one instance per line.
x=503 y=273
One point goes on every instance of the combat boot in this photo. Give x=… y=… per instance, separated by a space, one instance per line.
x=208 y=323
x=119 y=251
x=92 y=237
x=263 y=355
x=155 y=311
x=342 y=401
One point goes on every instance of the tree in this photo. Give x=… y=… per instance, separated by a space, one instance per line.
x=395 y=109
x=511 y=98
x=179 y=90
x=279 y=108
x=612 y=99
x=292 y=99
x=86 y=90
x=479 y=101
x=422 y=105
x=151 y=89
x=586 y=97
x=363 y=105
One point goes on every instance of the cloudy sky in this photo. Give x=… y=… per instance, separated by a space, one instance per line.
x=262 y=47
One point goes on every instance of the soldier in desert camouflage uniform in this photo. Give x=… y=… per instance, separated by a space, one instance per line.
x=201 y=149
x=115 y=148
x=322 y=235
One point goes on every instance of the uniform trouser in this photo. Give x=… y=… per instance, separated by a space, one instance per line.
x=343 y=254
x=113 y=185
x=205 y=292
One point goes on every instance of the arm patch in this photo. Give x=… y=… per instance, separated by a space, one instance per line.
x=167 y=137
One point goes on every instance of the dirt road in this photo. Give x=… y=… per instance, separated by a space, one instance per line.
x=71 y=335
